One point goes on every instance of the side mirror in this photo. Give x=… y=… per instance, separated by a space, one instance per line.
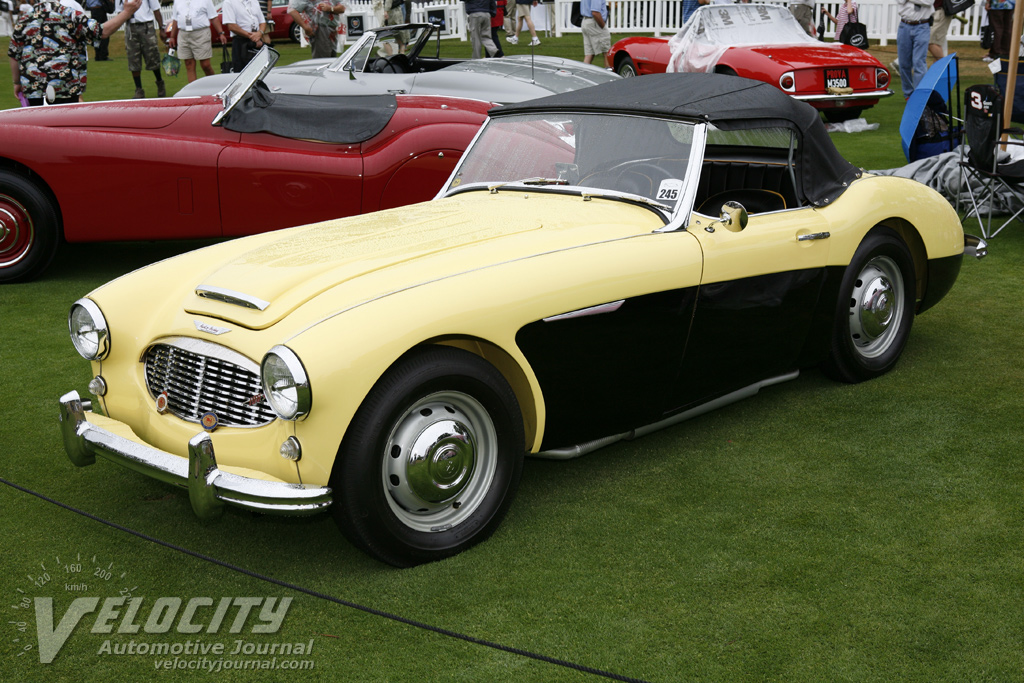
x=734 y=216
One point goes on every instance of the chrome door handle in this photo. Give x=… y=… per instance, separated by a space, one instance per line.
x=814 y=236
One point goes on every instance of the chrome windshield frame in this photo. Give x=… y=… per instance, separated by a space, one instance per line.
x=677 y=219
x=344 y=61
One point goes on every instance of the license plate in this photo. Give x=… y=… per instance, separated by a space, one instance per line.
x=837 y=78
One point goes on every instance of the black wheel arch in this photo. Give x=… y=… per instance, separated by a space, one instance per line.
x=820 y=333
x=31 y=176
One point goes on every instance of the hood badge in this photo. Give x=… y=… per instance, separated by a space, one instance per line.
x=209 y=421
x=210 y=329
x=161 y=403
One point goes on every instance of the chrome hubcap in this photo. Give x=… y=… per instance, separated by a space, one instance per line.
x=16 y=233
x=876 y=306
x=439 y=461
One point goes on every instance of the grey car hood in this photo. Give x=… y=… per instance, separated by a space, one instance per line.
x=503 y=80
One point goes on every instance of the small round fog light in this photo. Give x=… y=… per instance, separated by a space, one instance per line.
x=291 y=450
x=97 y=386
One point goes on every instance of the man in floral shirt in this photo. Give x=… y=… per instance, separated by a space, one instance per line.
x=48 y=48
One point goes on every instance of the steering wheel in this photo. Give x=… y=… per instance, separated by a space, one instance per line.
x=396 y=64
x=634 y=178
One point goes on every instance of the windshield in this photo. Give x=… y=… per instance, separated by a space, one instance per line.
x=381 y=44
x=637 y=155
x=751 y=25
x=714 y=29
x=256 y=69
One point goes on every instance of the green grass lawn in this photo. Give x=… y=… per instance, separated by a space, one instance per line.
x=815 y=532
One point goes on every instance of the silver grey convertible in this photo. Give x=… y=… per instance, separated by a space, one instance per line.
x=406 y=59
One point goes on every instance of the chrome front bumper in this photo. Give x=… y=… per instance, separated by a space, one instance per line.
x=208 y=487
x=975 y=246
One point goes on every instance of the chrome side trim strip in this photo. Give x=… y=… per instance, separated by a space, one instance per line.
x=231 y=297
x=590 y=446
x=610 y=307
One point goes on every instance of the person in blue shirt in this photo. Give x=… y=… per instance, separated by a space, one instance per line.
x=690 y=6
x=597 y=39
x=1000 y=16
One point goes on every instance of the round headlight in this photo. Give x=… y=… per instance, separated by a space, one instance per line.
x=88 y=328
x=285 y=384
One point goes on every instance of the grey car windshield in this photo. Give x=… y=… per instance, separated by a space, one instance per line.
x=632 y=154
x=380 y=45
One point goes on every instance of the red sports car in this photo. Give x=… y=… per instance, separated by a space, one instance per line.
x=241 y=162
x=766 y=43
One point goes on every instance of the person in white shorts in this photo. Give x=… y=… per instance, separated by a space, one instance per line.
x=597 y=39
x=523 y=13
x=189 y=32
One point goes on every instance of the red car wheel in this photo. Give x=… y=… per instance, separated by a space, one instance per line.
x=28 y=229
x=626 y=68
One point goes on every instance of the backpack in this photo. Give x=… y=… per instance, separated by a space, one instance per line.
x=575 y=18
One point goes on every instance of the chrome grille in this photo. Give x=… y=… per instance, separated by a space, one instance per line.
x=200 y=377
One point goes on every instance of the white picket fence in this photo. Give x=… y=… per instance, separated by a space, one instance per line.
x=658 y=17
x=664 y=17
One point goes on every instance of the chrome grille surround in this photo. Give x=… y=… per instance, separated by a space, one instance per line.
x=201 y=377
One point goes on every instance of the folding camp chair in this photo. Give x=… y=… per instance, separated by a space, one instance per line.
x=1001 y=180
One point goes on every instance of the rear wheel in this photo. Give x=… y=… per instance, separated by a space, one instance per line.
x=295 y=32
x=626 y=68
x=29 y=228
x=432 y=459
x=875 y=309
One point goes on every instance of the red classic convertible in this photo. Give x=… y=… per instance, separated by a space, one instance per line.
x=766 y=43
x=241 y=162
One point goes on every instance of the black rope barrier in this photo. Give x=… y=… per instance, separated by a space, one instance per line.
x=330 y=598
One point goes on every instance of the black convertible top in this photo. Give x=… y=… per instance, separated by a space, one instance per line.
x=728 y=102
x=339 y=119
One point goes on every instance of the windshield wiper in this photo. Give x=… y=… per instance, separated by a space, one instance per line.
x=538 y=180
x=586 y=194
x=630 y=196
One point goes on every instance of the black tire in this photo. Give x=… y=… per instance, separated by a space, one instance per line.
x=875 y=310
x=842 y=114
x=295 y=32
x=29 y=228
x=626 y=68
x=459 y=415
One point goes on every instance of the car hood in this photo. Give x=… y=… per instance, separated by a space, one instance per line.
x=121 y=114
x=553 y=74
x=805 y=56
x=363 y=258
x=503 y=80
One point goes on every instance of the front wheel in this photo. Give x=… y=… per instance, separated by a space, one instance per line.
x=29 y=229
x=875 y=309
x=627 y=69
x=432 y=459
